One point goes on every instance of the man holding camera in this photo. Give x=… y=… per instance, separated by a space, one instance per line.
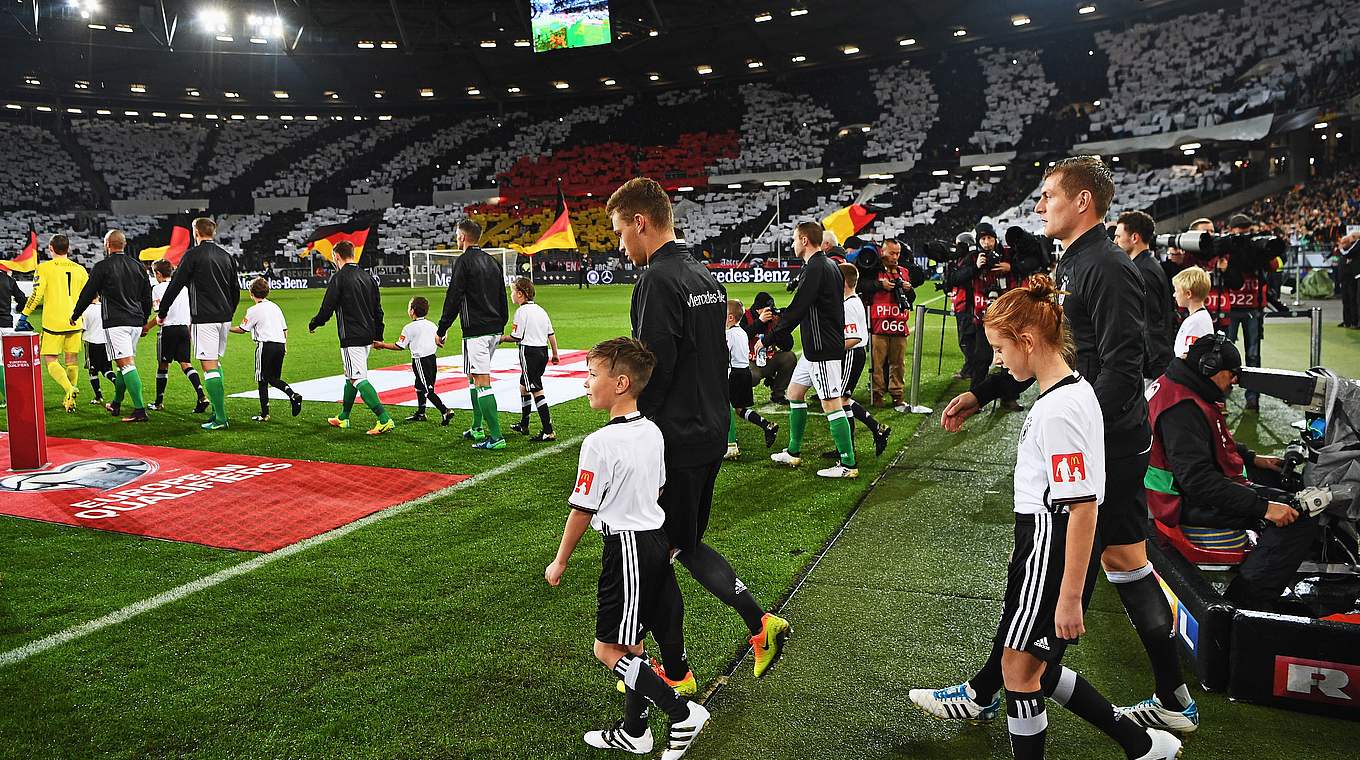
x=774 y=365
x=1245 y=293
x=1133 y=234
x=888 y=293
x=992 y=275
x=1197 y=480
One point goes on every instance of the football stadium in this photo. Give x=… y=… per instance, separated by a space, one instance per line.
x=577 y=378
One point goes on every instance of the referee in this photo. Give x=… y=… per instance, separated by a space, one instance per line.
x=476 y=296
x=209 y=274
x=679 y=312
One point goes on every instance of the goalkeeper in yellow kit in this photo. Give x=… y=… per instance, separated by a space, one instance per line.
x=58 y=282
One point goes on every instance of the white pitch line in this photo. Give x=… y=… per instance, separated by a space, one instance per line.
x=26 y=651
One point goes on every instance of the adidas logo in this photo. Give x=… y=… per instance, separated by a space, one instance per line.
x=1042 y=644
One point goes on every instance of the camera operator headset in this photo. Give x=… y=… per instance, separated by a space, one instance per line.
x=1197 y=475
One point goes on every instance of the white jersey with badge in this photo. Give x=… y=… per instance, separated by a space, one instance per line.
x=1194 y=327
x=738 y=348
x=856 y=321
x=265 y=323
x=94 y=324
x=532 y=326
x=1060 y=460
x=621 y=473
x=178 y=314
x=419 y=337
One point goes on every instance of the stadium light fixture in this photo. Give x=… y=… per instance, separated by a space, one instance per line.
x=999 y=168
x=488 y=43
x=754 y=64
x=98 y=27
x=103 y=111
x=192 y=92
x=906 y=42
x=796 y=12
x=258 y=41
x=474 y=91
x=940 y=173
x=865 y=129
x=388 y=44
x=561 y=85
x=14 y=106
x=1086 y=10
x=850 y=49
x=364 y=45
x=1096 y=103
x=238 y=117
x=186 y=116
x=356 y=118
x=82 y=84
x=763 y=16
x=32 y=81
x=832 y=180
x=214 y=20
x=1115 y=159
x=704 y=69
x=1190 y=146
x=982 y=168
x=653 y=77
x=776 y=183
x=522 y=43
x=1020 y=20
x=212 y=116
x=124 y=28
x=132 y=113
x=798 y=58
x=280 y=95
x=1320 y=125
x=515 y=90
x=261 y=117
x=310 y=117
x=225 y=38
x=960 y=32
x=385 y=117
x=74 y=110
x=378 y=94
x=734 y=186
x=45 y=109
x=332 y=94
x=685 y=189
x=426 y=92
x=653 y=33
x=231 y=95
x=609 y=82
x=286 y=117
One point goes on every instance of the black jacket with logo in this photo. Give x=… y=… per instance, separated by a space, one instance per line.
x=819 y=307
x=1161 y=322
x=352 y=296
x=679 y=312
x=209 y=272
x=123 y=289
x=9 y=291
x=476 y=296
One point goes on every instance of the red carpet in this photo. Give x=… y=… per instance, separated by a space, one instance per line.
x=232 y=501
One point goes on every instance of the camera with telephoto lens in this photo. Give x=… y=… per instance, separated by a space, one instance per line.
x=1292 y=461
x=1246 y=253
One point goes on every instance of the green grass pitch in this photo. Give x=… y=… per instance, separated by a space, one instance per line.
x=432 y=633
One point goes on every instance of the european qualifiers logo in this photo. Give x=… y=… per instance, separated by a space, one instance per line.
x=17 y=358
x=103 y=474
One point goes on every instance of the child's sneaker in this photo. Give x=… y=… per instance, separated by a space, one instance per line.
x=617 y=738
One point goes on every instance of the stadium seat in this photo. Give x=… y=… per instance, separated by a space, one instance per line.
x=1205 y=559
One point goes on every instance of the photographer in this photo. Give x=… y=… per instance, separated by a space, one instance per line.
x=993 y=274
x=775 y=368
x=957 y=279
x=1242 y=294
x=1134 y=231
x=888 y=290
x=1196 y=477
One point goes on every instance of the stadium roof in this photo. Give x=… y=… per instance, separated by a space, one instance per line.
x=407 y=55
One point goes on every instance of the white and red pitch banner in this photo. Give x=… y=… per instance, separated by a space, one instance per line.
x=396 y=383
x=232 y=501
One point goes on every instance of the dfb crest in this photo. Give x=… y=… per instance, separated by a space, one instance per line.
x=103 y=474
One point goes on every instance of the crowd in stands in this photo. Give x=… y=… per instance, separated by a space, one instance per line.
x=422 y=153
x=38 y=172
x=141 y=161
x=1313 y=214
x=240 y=145
x=780 y=131
x=1016 y=92
x=85 y=231
x=908 y=108
x=299 y=174
x=926 y=207
x=707 y=216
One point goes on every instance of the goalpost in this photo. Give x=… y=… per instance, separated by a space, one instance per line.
x=432 y=269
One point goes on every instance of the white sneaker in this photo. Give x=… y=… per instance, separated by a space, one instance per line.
x=954 y=703
x=617 y=738
x=1165 y=746
x=784 y=457
x=902 y=408
x=1150 y=713
x=839 y=471
x=683 y=734
x=732 y=451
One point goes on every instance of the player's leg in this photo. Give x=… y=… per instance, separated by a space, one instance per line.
x=73 y=362
x=1068 y=689
x=261 y=383
x=526 y=398
x=429 y=368
x=195 y=379
x=828 y=382
x=92 y=373
x=733 y=451
x=480 y=351
x=798 y=414
x=418 y=373
x=51 y=348
x=210 y=343
x=537 y=365
x=359 y=366
x=162 y=379
x=1026 y=718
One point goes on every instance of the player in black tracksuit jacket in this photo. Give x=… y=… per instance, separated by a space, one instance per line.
x=208 y=272
x=125 y=301
x=352 y=296
x=475 y=296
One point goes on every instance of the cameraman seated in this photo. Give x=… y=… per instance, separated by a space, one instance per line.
x=777 y=369
x=1197 y=476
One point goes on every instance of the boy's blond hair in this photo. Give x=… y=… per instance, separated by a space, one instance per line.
x=735 y=309
x=1194 y=280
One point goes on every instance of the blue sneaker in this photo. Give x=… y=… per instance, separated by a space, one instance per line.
x=1150 y=713
x=954 y=703
x=490 y=444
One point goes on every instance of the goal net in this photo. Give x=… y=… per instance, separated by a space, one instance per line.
x=433 y=269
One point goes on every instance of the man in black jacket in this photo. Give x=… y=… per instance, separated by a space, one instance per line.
x=9 y=291
x=476 y=295
x=124 y=294
x=352 y=295
x=1103 y=306
x=1133 y=234
x=679 y=312
x=819 y=307
x=209 y=273
x=995 y=271
x=1348 y=275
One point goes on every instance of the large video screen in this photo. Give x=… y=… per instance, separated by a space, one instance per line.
x=561 y=24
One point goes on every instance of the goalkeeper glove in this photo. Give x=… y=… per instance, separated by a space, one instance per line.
x=22 y=325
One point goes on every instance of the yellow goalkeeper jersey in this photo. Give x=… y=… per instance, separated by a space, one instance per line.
x=56 y=287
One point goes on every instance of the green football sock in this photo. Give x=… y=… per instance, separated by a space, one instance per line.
x=840 y=433
x=133 y=382
x=476 y=407
x=490 y=413
x=370 y=395
x=731 y=426
x=350 y=393
x=797 y=424
x=217 y=393
x=119 y=387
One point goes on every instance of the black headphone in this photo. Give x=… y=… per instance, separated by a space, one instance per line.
x=1211 y=361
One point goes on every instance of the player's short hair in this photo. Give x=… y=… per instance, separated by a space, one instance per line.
x=810 y=230
x=735 y=309
x=1033 y=309
x=851 y=274
x=626 y=356
x=1087 y=173
x=1194 y=280
x=420 y=306
x=525 y=287
x=205 y=228
x=471 y=230
x=642 y=195
x=163 y=267
x=343 y=250
x=60 y=244
x=115 y=240
x=259 y=287
x=1140 y=224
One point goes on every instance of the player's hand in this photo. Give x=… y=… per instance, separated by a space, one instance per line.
x=553 y=573
x=1269 y=463
x=1280 y=514
x=439 y=340
x=1067 y=619
x=960 y=408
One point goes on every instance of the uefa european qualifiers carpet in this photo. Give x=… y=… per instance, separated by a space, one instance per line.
x=232 y=501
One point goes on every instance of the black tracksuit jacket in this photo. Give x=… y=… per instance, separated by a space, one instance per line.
x=819 y=307
x=679 y=312
x=1157 y=348
x=123 y=289
x=476 y=296
x=352 y=296
x=9 y=291
x=209 y=272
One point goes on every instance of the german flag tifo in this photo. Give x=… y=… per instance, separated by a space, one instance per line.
x=174 y=251
x=325 y=238
x=27 y=260
x=559 y=234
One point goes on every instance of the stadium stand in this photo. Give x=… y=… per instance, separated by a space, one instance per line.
x=1317 y=212
x=38 y=172
x=141 y=161
x=779 y=132
x=300 y=174
x=241 y=145
x=421 y=153
x=1016 y=91
x=908 y=107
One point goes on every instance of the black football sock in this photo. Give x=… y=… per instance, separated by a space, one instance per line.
x=637 y=674
x=634 y=712
x=863 y=415
x=436 y=401
x=196 y=381
x=987 y=682
x=264 y=398
x=1150 y=614
x=1081 y=698
x=162 y=377
x=714 y=573
x=282 y=386
x=753 y=417
x=1027 y=721
x=94 y=384
x=525 y=404
x=544 y=414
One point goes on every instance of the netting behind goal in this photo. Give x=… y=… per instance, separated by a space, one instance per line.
x=432 y=269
